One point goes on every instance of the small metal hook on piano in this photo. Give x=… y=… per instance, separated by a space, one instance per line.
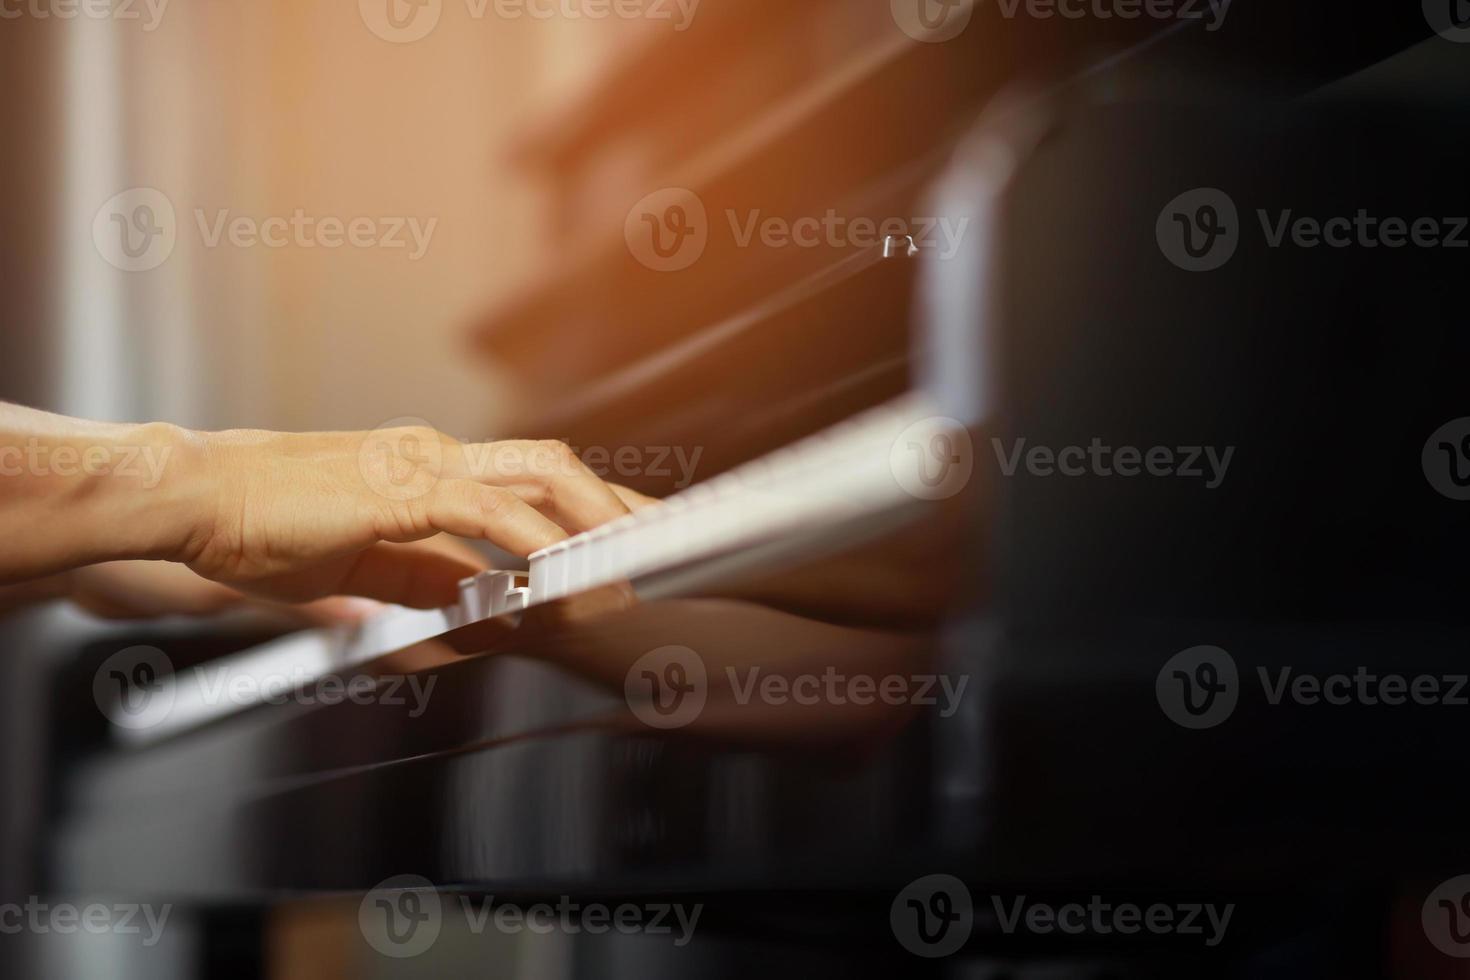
x=893 y=243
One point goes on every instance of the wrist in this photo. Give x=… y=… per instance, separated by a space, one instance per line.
x=79 y=492
x=154 y=492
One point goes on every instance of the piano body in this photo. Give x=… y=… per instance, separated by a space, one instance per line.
x=825 y=392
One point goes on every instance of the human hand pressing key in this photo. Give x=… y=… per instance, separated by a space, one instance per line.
x=291 y=517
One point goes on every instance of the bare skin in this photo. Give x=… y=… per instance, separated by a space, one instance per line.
x=280 y=517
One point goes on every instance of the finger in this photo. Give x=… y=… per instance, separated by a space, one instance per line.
x=549 y=477
x=419 y=577
x=632 y=499
x=494 y=514
x=455 y=547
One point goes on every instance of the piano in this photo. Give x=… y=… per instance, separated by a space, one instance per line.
x=591 y=730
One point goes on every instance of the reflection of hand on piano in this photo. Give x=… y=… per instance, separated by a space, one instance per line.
x=735 y=644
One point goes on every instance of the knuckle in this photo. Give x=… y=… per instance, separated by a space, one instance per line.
x=492 y=503
x=423 y=434
x=400 y=520
x=536 y=494
x=556 y=454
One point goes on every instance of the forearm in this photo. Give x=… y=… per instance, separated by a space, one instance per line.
x=78 y=492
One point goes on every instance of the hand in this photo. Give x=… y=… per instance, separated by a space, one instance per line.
x=297 y=517
x=286 y=517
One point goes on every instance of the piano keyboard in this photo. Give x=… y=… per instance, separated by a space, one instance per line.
x=820 y=494
x=847 y=473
